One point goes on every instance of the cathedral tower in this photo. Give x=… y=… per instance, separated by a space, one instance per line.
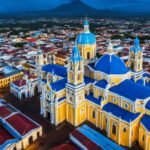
x=75 y=89
x=86 y=42
x=136 y=59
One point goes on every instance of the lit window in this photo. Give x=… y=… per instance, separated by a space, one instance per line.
x=114 y=129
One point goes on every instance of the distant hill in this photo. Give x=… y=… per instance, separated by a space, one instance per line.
x=78 y=8
x=75 y=8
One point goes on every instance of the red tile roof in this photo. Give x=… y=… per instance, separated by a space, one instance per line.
x=4 y=112
x=85 y=141
x=22 y=124
x=68 y=146
x=4 y=135
x=20 y=83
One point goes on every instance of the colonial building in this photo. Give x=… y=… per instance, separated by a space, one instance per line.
x=26 y=87
x=103 y=92
x=17 y=131
x=9 y=74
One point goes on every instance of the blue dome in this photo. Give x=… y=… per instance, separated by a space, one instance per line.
x=86 y=38
x=111 y=64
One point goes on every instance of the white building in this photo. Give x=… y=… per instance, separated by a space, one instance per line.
x=26 y=87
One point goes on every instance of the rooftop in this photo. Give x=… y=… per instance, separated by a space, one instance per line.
x=146 y=122
x=132 y=88
x=120 y=112
x=21 y=123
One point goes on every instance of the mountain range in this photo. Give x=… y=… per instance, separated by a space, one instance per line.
x=76 y=9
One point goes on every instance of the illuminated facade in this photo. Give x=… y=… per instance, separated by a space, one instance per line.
x=103 y=93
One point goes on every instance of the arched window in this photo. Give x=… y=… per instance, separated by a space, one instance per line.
x=88 y=55
x=30 y=140
x=93 y=114
x=114 y=129
x=124 y=129
x=143 y=138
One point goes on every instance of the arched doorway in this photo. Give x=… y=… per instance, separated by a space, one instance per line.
x=88 y=55
x=30 y=140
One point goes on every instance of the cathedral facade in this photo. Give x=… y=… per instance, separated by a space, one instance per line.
x=105 y=92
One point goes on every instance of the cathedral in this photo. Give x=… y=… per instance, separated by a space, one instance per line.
x=110 y=94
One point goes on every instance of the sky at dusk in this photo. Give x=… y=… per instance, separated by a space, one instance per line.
x=32 y=5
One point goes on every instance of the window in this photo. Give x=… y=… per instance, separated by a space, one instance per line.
x=71 y=99
x=114 y=129
x=78 y=77
x=126 y=105
x=143 y=138
x=82 y=110
x=124 y=129
x=93 y=114
x=114 y=100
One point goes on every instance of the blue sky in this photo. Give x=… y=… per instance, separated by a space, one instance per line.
x=29 y=5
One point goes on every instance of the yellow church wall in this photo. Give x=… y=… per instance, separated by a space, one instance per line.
x=144 y=138
x=135 y=131
x=81 y=113
x=104 y=121
x=123 y=130
x=78 y=78
x=97 y=92
x=115 y=80
x=93 y=113
x=98 y=76
x=113 y=136
x=87 y=48
x=124 y=134
x=4 y=82
x=61 y=112
x=92 y=74
x=70 y=113
x=126 y=105
x=113 y=99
